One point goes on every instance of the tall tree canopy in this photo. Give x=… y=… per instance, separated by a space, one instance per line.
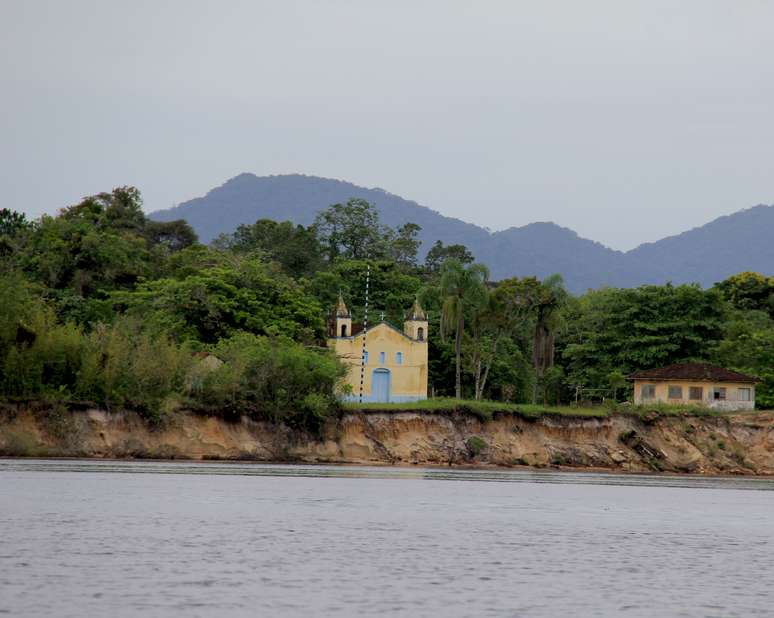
x=463 y=291
x=352 y=231
x=294 y=247
x=640 y=328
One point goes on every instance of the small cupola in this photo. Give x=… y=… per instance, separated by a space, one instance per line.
x=415 y=325
x=342 y=319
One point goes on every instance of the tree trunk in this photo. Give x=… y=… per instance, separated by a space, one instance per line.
x=476 y=377
x=542 y=357
x=488 y=367
x=458 y=350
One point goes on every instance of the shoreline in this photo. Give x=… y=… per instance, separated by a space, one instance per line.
x=397 y=466
x=727 y=445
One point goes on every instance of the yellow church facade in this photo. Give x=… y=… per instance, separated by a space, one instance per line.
x=392 y=364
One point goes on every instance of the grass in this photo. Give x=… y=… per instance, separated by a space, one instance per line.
x=485 y=410
x=482 y=409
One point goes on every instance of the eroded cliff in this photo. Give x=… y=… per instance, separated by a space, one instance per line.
x=733 y=444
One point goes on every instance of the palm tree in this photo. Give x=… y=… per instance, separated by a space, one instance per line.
x=551 y=298
x=462 y=289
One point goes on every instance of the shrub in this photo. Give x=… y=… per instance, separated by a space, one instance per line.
x=275 y=379
x=124 y=366
x=476 y=445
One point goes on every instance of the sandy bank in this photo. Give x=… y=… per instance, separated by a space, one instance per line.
x=735 y=444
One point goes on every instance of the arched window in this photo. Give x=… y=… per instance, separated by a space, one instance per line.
x=365 y=357
x=421 y=334
x=399 y=358
x=381 y=358
x=343 y=330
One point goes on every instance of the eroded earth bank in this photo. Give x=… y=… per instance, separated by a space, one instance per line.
x=735 y=444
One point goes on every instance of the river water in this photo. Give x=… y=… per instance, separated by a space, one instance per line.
x=87 y=538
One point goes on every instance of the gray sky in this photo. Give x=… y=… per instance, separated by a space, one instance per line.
x=626 y=121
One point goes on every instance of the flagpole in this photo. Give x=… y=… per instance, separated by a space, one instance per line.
x=365 y=333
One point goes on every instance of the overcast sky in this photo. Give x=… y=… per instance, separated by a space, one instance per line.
x=626 y=121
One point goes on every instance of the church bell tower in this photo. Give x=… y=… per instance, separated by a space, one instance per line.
x=415 y=325
x=342 y=319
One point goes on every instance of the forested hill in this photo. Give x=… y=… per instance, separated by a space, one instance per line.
x=707 y=254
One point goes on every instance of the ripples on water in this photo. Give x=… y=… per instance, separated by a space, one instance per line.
x=86 y=538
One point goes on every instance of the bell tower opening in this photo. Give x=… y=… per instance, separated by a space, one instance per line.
x=341 y=325
x=415 y=325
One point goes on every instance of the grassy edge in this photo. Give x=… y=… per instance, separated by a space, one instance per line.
x=486 y=410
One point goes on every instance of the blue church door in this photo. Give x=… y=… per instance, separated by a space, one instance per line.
x=380 y=385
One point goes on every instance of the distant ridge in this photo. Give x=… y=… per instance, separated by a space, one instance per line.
x=705 y=255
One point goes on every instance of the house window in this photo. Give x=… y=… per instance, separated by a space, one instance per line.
x=421 y=334
x=399 y=358
x=648 y=391
x=719 y=393
x=381 y=358
x=365 y=357
x=744 y=394
x=696 y=393
x=343 y=330
x=675 y=392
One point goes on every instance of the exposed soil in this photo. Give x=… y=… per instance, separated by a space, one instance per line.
x=733 y=444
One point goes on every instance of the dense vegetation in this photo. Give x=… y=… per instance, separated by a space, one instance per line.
x=102 y=305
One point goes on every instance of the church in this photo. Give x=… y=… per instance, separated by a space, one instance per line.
x=386 y=363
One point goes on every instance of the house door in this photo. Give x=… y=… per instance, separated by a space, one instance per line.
x=380 y=385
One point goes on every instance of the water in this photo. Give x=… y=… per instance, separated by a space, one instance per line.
x=83 y=538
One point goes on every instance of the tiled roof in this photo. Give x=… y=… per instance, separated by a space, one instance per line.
x=692 y=371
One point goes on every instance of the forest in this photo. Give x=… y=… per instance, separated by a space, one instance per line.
x=103 y=306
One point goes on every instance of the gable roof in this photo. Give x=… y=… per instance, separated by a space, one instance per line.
x=357 y=329
x=692 y=371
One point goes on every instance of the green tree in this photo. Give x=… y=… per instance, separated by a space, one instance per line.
x=392 y=289
x=749 y=290
x=404 y=245
x=13 y=227
x=12 y=222
x=547 y=303
x=439 y=253
x=219 y=302
x=748 y=346
x=174 y=235
x=294 y=247
x=640 y=328
x=100 y=245
x=507 y=310
x=352 y=231
x=617 y=381
x=463 y=290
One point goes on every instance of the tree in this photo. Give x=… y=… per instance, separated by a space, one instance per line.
x=640 y=328
x=616 y=380
x=294 y=247
x=439 y=253
x=12 y=222
x=404 y=245
x=749 y=290
x=748 y=346
x=352 y=231
x=551 y=297
x=391 y=290
x=174 y=235
x=12 y=227
x=119 y=210
x=507 y=308
x=462 y=289
x=216 y=303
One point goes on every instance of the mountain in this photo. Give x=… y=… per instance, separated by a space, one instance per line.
x=710 y=253
x=706 y=254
